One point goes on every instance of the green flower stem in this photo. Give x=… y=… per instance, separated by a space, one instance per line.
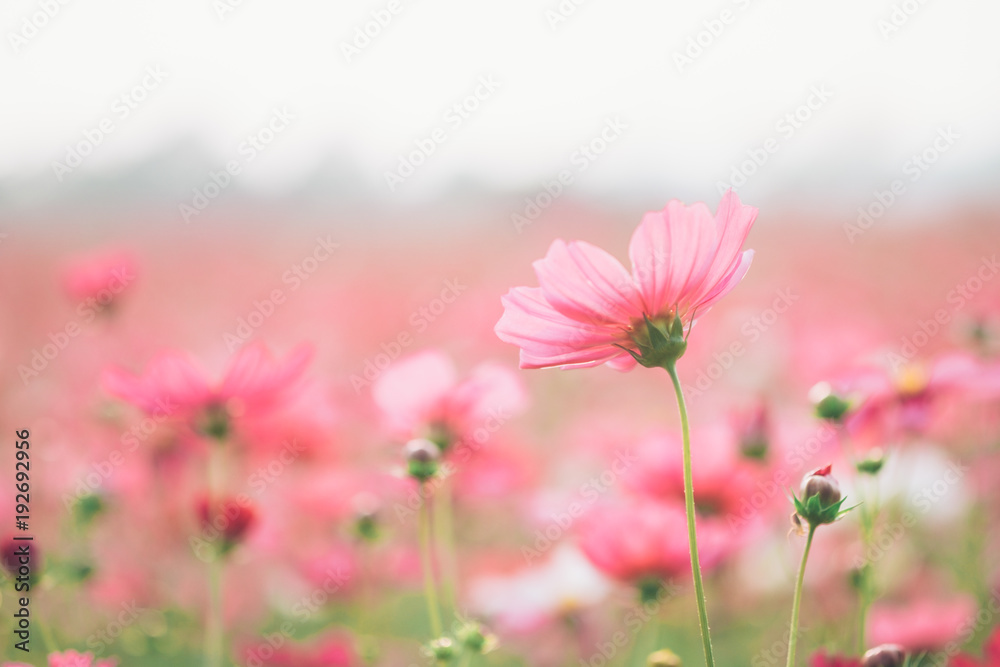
x=214 y=633
x=793 y=631
x=699 y=588
x=427 y=559
x=446 y=537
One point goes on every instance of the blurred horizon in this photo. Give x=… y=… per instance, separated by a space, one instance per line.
x=440 y=102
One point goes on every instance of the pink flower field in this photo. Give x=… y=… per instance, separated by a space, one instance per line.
x=549 y=335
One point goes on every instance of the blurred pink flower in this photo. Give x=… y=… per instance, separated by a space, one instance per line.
x=230 y=518
x=588 y=306
x=637 y=539
x=905 y=400
x=724 y=480
x=421 y=395
x=921 y=624
x=335 y=651
x=72 y=659
x=172 y=385
x=100 y=280
x=821 y=659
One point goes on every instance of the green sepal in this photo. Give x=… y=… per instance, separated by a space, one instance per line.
x=815 y=514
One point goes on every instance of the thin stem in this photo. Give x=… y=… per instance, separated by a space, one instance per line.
x=699 y=588
x=214 y=632
x=213 y=628
x=446 y=539
x=47 y=636
x=427 y=559
x=793 y=631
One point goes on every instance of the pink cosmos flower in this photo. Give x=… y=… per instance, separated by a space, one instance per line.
x=724 y=479
x=920 y=625
x=589 y=310
x=906 y=400
x=173 y=386
x=637 y=539
x=100 y=280
x=421 y=396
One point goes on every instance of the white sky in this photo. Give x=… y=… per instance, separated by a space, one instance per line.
x=225 y=76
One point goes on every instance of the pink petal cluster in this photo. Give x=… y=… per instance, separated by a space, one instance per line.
x=921 y=624
x=101 y=279
x=638 y=538
x=422 y=396
x=587 y=305
x=172 y=385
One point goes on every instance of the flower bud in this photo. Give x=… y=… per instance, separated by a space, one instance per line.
x=886 y=655
x=441 y=650
x=754 y=434
x=829 y=405
x=366 y=506
x=871 y=464
x=663 y=658
x=226 y=521
x=474 y=638
x=821 y=499
x=422 y=459
x=821 y=483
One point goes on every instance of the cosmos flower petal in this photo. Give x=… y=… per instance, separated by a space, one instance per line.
x=587 y=284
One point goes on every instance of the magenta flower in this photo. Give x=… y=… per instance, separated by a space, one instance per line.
x=172 y=386
x=589 y=310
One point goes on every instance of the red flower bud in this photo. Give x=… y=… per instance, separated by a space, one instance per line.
x=820 y=482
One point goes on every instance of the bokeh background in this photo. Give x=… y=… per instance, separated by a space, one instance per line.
x=368 y=178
